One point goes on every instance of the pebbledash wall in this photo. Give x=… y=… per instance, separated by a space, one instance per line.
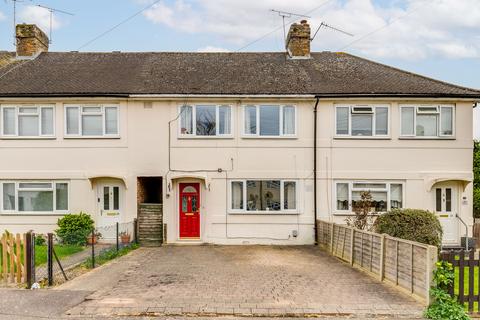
x=142 y=149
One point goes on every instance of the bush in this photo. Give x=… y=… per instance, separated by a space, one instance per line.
x=411 y=224
x=40 y=240
x=74 y=228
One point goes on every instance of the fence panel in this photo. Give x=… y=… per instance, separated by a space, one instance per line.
x=12 y=267
x=408 y=265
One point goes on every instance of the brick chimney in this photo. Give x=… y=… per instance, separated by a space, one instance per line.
x=298 y=40
x=31 y=40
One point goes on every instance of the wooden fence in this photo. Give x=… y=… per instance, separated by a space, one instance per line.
x=466 y=266
x=12 y=258
x=408 y=265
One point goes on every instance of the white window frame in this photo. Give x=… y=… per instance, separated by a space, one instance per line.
x=351 y=189
x=17 y=115
x=257 y=110
x=283 y=211
x=53 y=189
x=81 y=113
x=373 y=112
x=439 y=120
x=194 y=121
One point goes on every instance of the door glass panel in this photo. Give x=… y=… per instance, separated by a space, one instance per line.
x=438 y=200
x=106 y=198
x=184 y=204
x=116 y=198
x=194 y=204
x=189 y=189
x=448 y=200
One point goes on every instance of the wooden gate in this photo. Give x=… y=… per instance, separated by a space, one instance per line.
x=13 y=255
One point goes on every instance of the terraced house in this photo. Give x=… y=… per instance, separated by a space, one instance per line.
x=234 y=148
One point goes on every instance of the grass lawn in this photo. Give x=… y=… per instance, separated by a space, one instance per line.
x=60 y=250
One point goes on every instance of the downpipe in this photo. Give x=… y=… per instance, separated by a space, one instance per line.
x=315 y=170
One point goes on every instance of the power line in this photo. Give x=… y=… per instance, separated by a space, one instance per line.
x=383 y=27
x=119 y=24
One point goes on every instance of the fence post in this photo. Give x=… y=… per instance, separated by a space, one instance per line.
x=352 y=243
x=135 y=225
x=332 y=230
x=50 y=258
x=116 y=232
x=382 y=257
x=32 y=261
x=93 y=248
x=28 y=259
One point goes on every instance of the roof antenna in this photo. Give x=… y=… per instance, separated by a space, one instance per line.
x=323 y=24
x=52 y=10
x=284 y=15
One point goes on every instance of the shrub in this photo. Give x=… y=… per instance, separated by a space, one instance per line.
x=74 y=228
x=40 y=240
x=411 y=224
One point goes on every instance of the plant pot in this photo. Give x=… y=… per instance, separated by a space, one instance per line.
x=91 y=240
x=125 y=239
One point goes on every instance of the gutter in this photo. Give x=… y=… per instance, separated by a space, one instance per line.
x=315 y=170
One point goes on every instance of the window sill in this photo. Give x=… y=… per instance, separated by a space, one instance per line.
x=362 y=137
x=269 y=137
x=205 y=137
x=27 y=138
x=352 y=214
x=30 y=213
x=262 y=213
x=91 y=137
x=426 y=138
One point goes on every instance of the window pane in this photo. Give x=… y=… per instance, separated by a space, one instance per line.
x=72 y=121
x=379 y=200
x=111 y=120
x=369 y=186
x=106 y=198
x=237 y=195
x=35 y=200
x=116 y=198
x=448 y=200
x=9 y=121
x=61 y=194
x=289 y=195
x=28 y=126
x=35 y=185
x=438 y=200
x=186 y=121
x=224 y=118
x=396 y=196
x=92 y=109
x=263 y=195
x=27 y=110
x=362 y=124
x=447 y=121
x=9 y=196
x=381 y=120
x=269 y=120
x=92 y=125
x=342 y=119
x=426 y=125
x=288 y=120
x=251 y=120
x=408 y=114
x=47 y=121
x=206 y=125
x=342 y=196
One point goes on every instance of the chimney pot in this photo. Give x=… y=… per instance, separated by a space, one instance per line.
x=31 y=40
x=298 y=40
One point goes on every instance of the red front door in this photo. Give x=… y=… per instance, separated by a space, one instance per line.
x=189 y=210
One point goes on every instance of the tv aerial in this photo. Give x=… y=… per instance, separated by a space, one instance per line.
x=285 y=14
x=52 y=11
x=325 y=25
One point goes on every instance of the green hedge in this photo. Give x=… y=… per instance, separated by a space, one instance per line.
x=411 y=224
x=74 y=229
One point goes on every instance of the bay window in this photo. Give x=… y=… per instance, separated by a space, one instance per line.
x=261 y=196
x=385 y=195
x=205 y=120
x=269 y=120
x=27 y=121
x=34 y=196
x=427 y=121
x=361 y=120
x=91 y=120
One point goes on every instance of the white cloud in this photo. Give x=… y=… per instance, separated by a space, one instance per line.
x=425 y=28
x=2 y=16
x=39 y=16
x=212 y=49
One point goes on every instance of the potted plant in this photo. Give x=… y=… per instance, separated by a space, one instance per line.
x=93 y=238
x=124 y=237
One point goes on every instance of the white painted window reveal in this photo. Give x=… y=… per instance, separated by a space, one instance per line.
x=27 y=121
x=35 y=196
x=92 y=121
x=427 y=121
x=205 y=120
x=385 y=195
x=361 y=120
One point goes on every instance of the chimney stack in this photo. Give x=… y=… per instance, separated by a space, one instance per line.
x=31 y=40
x=298 y=40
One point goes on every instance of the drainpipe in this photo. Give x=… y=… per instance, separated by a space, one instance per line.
x=315 y=170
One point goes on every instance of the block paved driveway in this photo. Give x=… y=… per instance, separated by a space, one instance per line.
x=236 y=280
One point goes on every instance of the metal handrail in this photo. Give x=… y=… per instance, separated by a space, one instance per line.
x=466 y=230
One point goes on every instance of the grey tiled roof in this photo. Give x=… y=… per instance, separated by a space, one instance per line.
x=115 y=73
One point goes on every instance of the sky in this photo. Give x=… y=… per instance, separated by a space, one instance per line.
x=436 y=38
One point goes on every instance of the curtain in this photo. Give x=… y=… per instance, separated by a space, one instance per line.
x=237 y=195
x=342 y=120
x=288 y=120
x=111 y=120
x=408 y=115
x=186 y=120
x=381 y=120
x=289 y=195
x=72 y=120
x=447 y=121
x=342 y=196
x=251 y=120
x=47 y=121
x=225 y=116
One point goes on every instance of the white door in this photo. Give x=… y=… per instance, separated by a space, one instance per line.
x=446 y=208
x=109 y=200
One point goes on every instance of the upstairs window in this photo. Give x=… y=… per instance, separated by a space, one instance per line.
x=27 y=121
x=361 y=120
x=270 y=121
x=91 y=121
x=428 y=121
x=205 y=120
